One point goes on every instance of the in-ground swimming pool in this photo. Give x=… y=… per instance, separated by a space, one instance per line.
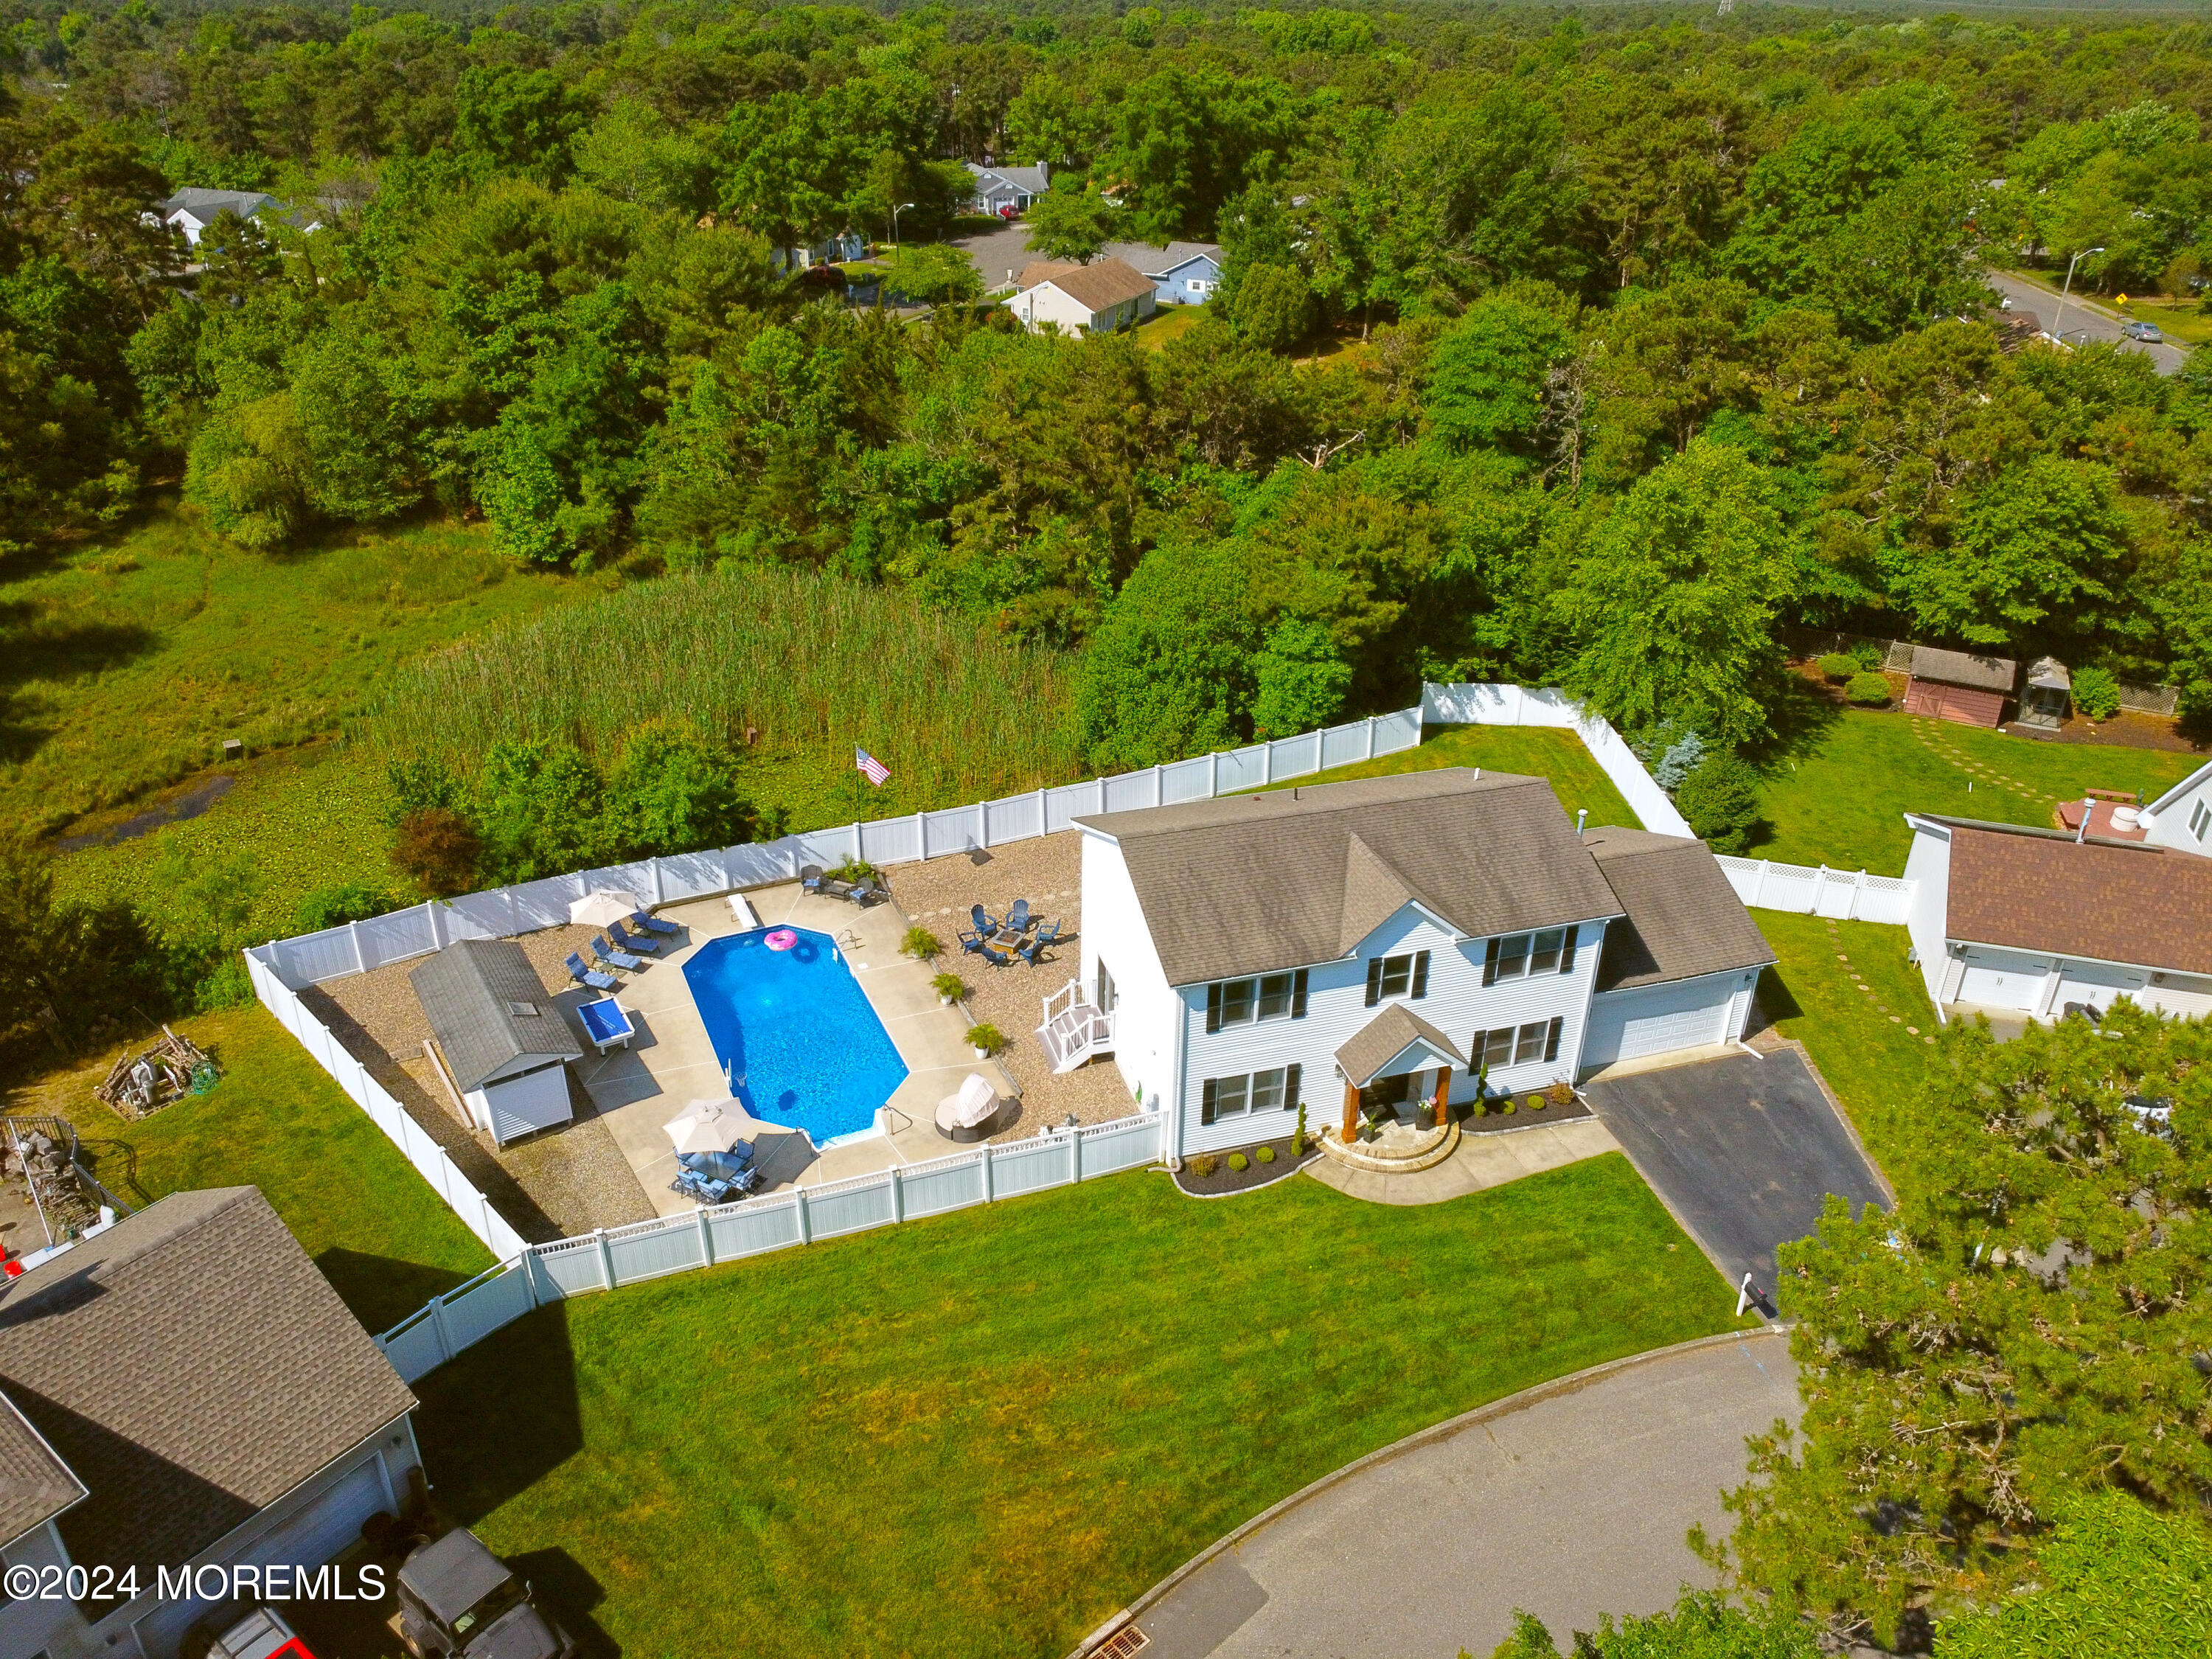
x=802 y=1045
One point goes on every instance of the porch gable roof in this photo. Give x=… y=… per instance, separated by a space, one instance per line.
x=1375 y=1050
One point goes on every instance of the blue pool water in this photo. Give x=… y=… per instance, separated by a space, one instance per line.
x=799 y=1039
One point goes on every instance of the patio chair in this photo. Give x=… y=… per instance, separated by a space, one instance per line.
x=1048 y=931
x=589 y=976
x=985 y=923
x=970 y=941
x=701 y=1189
x=653 y=924
x=809 y=878
x=864 y=891
x=996 y=957
x=1030 y=951
x=1019 y=921
x=615 y=958
x=629 y=942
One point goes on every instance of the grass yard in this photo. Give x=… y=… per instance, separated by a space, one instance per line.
x=133 y=657
x=978 y=1436
x=1871 y=1045
x=380 y=1234
x=1168 y=323
x=1843 y=804
x=1544 y=752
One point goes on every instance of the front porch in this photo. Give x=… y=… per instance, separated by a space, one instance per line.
x=1397 y=1072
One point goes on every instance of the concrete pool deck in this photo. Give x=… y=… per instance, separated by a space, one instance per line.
x=671 y=1062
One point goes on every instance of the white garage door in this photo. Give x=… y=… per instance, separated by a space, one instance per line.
x=324 y=1528
x=2099 y=986
x=2000 y=978
x=1657 y=1018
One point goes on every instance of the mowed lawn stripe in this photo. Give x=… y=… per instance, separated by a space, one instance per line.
x=980 y=1435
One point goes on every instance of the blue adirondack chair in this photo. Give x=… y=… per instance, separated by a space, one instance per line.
x=996 y=957
x=985 y=923
x=1019 y=921
x=970 y=941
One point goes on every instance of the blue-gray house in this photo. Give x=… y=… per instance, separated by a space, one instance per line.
x=1182 y=273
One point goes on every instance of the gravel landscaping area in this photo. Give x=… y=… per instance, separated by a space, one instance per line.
x=565 y=1181
x=1048 y=873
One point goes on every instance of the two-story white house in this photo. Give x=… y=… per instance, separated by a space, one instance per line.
x=1366 y=946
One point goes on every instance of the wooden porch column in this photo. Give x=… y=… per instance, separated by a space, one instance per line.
x=1440 y=1103
x=1351 y=1113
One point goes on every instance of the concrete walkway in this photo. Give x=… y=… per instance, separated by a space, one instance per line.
x=672 y=1061
x=1490 y=1159
x=1570 y=1500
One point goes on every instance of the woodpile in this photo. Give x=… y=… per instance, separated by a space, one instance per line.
x=144 y=1082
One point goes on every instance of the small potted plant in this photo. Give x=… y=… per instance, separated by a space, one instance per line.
x=950 y=989
x=920 y=944
x=985 y=1040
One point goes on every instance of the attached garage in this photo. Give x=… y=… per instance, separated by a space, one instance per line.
x=1654 y=1019
x=1953 y=685
x=1682 y=963
x=2002 y=979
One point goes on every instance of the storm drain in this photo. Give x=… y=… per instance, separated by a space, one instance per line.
x=1123 y=1644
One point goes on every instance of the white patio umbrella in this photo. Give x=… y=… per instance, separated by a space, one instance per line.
x=598 y=908
x=709 y=1126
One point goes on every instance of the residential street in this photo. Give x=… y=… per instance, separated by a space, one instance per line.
x=2082 y=316
x=1569 y=1506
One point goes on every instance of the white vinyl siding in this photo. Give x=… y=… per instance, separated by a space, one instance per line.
x=1146 y=1012
x=513 y=1107
x=1457 y=1004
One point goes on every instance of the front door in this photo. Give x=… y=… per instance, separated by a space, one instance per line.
x=1388 y=1097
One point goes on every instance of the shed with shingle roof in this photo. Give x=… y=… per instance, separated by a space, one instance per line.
x=1957 y=685
x=500 y=1036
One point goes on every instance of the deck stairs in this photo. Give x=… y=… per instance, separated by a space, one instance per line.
x=1073 y=1031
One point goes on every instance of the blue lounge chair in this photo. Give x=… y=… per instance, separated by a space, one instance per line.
x=626 y=942
x=1019 y=921
x=985 y=923
x=592 y=977
x=653 y=924
x=615 y=958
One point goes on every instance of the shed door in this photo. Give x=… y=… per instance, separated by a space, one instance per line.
x=1954 y=703
x=1656 y=1019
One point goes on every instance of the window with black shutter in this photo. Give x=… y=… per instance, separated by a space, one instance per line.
x=1291 y=1096
x=1212 y=1008
x=1298 y=995
x=1374 y=980
x=1489 y=963
x=1567 y=956
x=1420 y=975
x=1551 y=1042
x=1205 y=1103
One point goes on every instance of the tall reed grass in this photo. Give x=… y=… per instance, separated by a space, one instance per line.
x=813 y=663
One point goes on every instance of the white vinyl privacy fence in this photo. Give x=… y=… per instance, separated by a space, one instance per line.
x=504 y=912
x=539 y=1273
x=1846 y=895
x=1514 y=705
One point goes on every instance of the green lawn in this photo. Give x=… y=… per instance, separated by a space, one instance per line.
x=1843 y=804
x=1871 y=1045
x=978 y=1436
x=277 y=1122
x=1540 y=750
x=134 y=656
x=1168 y=323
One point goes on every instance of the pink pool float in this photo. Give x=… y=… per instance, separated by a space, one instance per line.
x=780 y=938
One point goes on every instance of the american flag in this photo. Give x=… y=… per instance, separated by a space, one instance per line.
x=878 y=773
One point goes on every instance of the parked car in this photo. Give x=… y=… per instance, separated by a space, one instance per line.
x=2148 y=333
x=458 y=1600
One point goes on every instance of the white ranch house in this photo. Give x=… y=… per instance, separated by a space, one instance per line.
x=1094 y=299
x=1366 y=944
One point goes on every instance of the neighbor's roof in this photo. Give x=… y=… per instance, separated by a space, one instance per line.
x=1155 y=261
x=1960 y=668
x=1044 y=270
x=205 y=204
x=1034 y=180
x=35 y=1485
x=1684 y=918
x=488 y=1009
x=1249 y=884
x=2111 y=901
x=192 y=1367
x=1385 y=1037
x=1099 y=287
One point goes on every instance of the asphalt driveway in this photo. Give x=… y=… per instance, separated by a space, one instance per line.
x=1570 y=1500
x=1744 y=1150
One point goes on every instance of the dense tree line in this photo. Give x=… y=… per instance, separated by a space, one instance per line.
x=1658 y=334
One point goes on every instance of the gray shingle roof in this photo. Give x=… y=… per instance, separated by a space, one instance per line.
x=1156 y=261
x=1252 y=884
x=1960 y=668
x=1104 y=285
x=1386 y=1036
x=192 y=1367
x=35 y=1485
x=1683 y=917
x=473 y=991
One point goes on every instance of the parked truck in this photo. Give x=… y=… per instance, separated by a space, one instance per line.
x=458 y=1600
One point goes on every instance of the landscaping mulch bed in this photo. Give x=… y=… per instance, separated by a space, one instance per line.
x=1521 y=1117
x=1224 y=1180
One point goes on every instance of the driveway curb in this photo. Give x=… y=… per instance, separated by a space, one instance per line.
x=1512 y=1403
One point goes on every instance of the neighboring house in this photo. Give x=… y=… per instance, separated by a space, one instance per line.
x=839 y=249
x=500 y=1039
x=184 y=1390
x=1092 y=299
x=2181 y=818
x=192 y=211
x=2030 y=921
x=1380 y=937
x=999 y=190
x=1182 y=273
x=1953 y=685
